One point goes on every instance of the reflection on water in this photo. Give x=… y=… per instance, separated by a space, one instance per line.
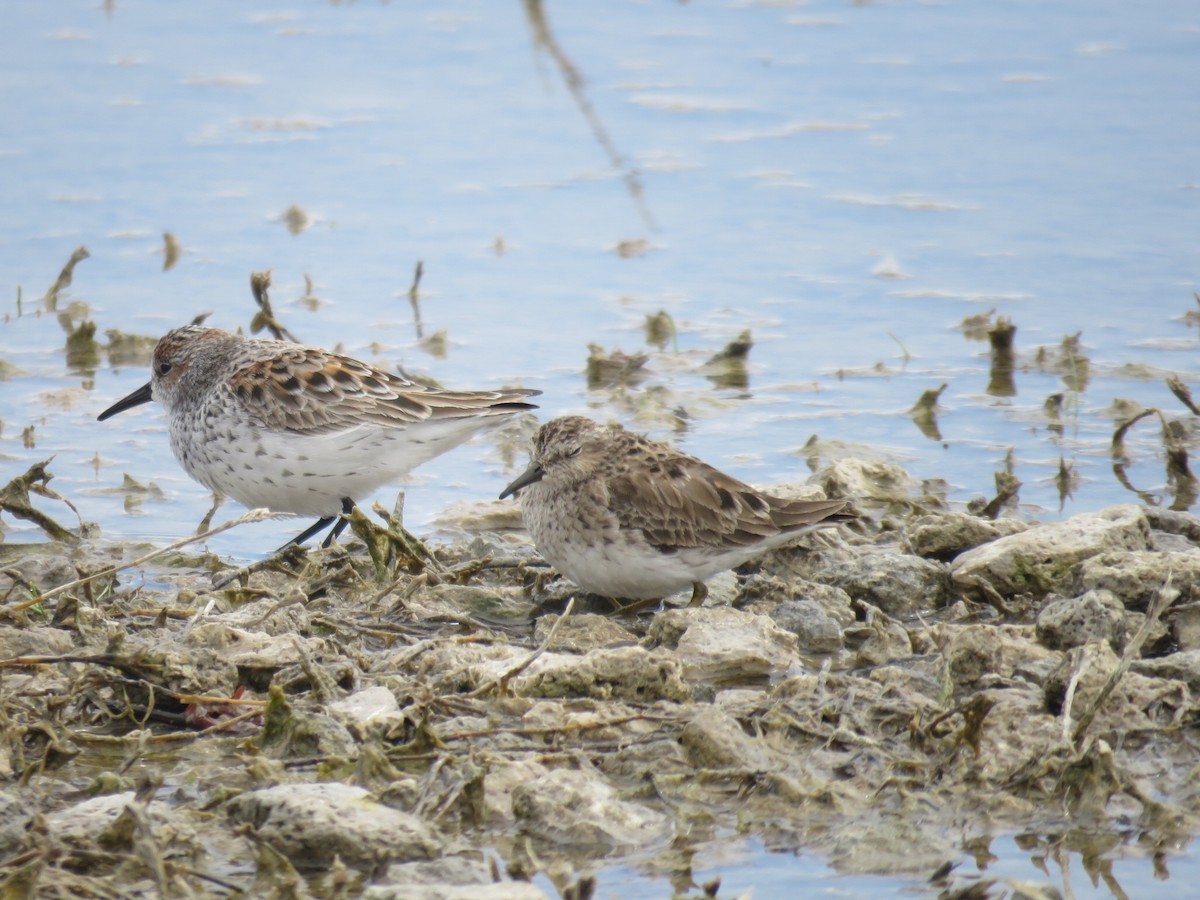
x=1000 y=379
x=50 y=299
x=539 y=27
x=1046 y=865
x=924 y=413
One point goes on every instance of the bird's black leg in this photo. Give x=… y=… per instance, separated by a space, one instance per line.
x=316 y=528
x=340 y=525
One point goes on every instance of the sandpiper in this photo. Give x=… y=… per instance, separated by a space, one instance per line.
x=301 y=430
x=630 y=518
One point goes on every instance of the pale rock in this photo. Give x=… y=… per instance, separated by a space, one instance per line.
x=722 y=645
x=866 y=479
x=807 y=619
x=313 y=823
x=897 y=583
x=581 y=632
x=1068 y=622
x=1136 y=576
x=945 y=535
x=1182 y=666
x=568 y=806
x=370 y=706
x=620 y=673
x=1044 y=558
x=451 y=878
x=974 y=652
x=86 y=823
x=713 y=739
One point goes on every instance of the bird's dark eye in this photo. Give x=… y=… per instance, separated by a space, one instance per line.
x=574 y=451
x=163 y=368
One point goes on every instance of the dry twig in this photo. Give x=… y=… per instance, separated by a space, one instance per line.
x=1165 y=597
x=254 y=515
x=502 y=681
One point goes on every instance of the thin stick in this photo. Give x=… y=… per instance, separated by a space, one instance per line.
x=255 y=515
x=540 y=731
x=414 y=298
x=528 y=661
x=171 y=737
x=1081 y=658
x=1166 y=596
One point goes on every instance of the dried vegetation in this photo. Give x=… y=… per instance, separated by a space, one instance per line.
x=384 y=719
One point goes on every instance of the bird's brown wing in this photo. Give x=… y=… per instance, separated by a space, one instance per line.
x=688 y=503
x=308 y=390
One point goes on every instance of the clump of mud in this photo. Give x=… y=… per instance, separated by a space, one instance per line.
x=380 y=720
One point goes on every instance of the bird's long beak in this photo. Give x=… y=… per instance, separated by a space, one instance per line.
x=137 y=398
x=533 y=474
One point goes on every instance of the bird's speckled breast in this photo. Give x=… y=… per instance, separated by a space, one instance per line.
x=578 y=534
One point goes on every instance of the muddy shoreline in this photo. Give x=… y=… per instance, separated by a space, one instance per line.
x=359 y=721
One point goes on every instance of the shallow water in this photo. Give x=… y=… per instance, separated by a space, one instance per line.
x=848 y=182
x=1031 y=860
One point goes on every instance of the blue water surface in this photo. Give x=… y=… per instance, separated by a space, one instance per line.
x=847 y=181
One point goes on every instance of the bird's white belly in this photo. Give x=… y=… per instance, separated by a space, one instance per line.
x=627 y=573
x=309 y=474
x=598 y=557
x=584 y=541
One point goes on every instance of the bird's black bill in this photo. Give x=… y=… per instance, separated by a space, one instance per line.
x=137 y=398
x=533 y=474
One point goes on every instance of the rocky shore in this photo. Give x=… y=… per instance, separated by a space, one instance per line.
x=362 y=721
